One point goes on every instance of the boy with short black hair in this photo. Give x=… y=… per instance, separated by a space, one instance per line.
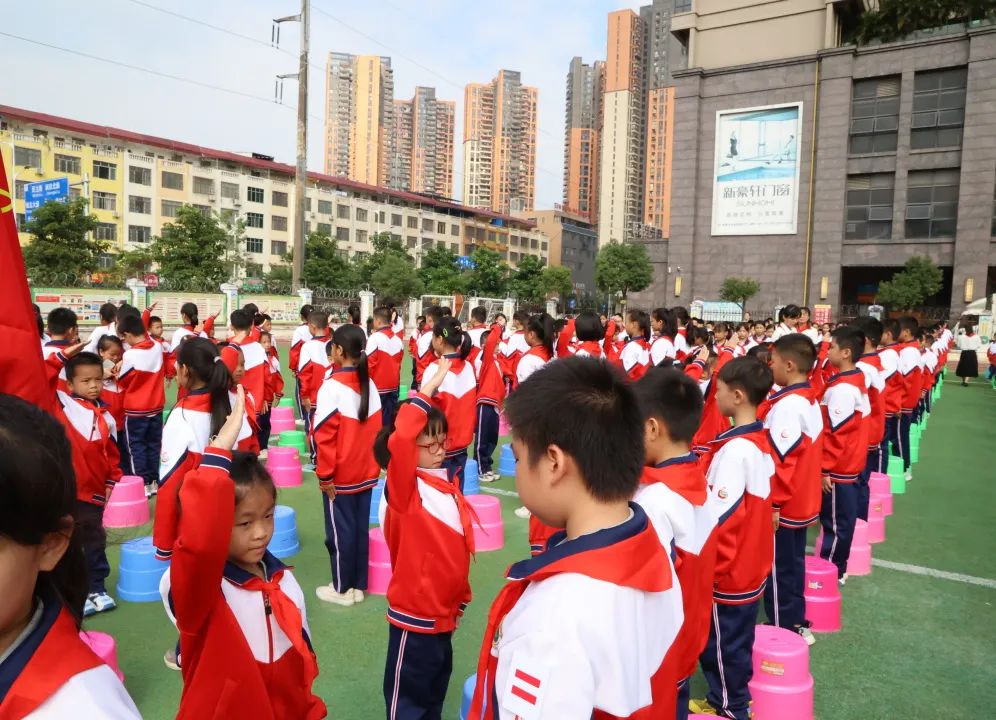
x=424 y=355
x=870 y=365
x=62 y=332
x=739 y=472
x=892 y=395
x=605 y=582
x=313 y=362
x=478 y=318
x=910 y=362
x=246 y=336
x=845 y=441
x=385 y=352
x=141 y=379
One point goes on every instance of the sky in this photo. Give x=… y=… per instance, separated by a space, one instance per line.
x=439 y=43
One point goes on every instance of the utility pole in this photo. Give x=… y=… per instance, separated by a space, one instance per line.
x=301 y=174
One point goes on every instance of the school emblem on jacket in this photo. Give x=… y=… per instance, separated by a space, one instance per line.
x=723 y=494
x=785 y=434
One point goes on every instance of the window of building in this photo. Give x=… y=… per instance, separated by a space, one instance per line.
x=874 y=115
x=106 y=231
x=455 y=230
x=361 y=237
x=413 y=223
x=170 y=208
x=342 y=212
x=254 y=194
x=513 y=256
x=938 y=108
x=543 y=246
x=254 y=220
x=307 y=204
x=67 y=164
x=104 y=170
x=105 y=261
x=75 y=193
x=227 y=215
x=533 y=243
x=203 y=186
x=139 y=204
x=932 y=204
x=440 y=227
x=361 y=215
x=307 y=227
x=279 y=198
x=869 y=207
x=19 y=188
x=455 y=247
x=230 y=190
x=139 y=234
x=412 y=241
x=204 y=210
x=140 y=175
x=278 y=247
x=28 y=157
x=172 y=181
x=105 y=201
x=325 y=229
x=427 y=225
x=342 y=234
x=278 y=222
x=395 y=220
x=254 y=245
x=325 y=207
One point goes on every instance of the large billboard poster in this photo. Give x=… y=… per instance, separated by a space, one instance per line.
x=756 y=178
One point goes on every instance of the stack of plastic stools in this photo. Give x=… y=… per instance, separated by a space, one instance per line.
x=879 y=484
x=469 y=685
x=859 y=562
x=105 y=648
x=139 y=573
x=490 y=534
x=506 y=462
x=915 y=446
x=284 y=464
x=295 y=439
x=782 y=688
x=876 y=518
x=378 y=493
x=379 y=566
x=128 y=506
x=471 y=479
x=822 y=594
x=403 y=392
x=897 y=477
x=286 y=402
x=282 y=419
x=284 y=542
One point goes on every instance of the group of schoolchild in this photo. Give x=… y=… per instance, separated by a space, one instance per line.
x=669 y=474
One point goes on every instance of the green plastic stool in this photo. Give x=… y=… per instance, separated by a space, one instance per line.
x=403 y=392
x=290 y=437
x=286 y=402
x=897 y=480
x=915 y=450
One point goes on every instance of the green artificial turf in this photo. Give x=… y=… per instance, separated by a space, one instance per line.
x=912 y=647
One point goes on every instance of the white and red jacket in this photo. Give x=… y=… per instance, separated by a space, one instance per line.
x=739 y=475
x=182 y=333
x=343 y=442
x=91 y=432
x=510 y=351
x=312 y=364
x=245 y=648
x=635 y=358
x=428 y=531
x=584 y=631
x=457 y=398
x=676 y=491
x=713 y=421
x=661 y=349
x=845 y=412
x=274 y=380
x=532 y=360
x=681 y=348
x=385 y=351
x=50 y=350
x=892 y=395
x=301 y=335
x=910 y=368
x=99 y=332
x=49 y=673
x=794 y=423
x=185 y=435
x=490 y=385
x=475 y=333
x=112 y=396
x=871 y=366
x=424 y=354
x=256 y=369
x=141 y=379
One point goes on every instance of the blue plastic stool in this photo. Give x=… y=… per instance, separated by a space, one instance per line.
x=378 y=492
x=471 y=479
x=284 y=542
x=140 y=572
x=506 y=462
x=468 y=695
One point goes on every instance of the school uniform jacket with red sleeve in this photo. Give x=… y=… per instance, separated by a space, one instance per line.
x=584 y=631
x=53 y=349
x=845 y=411
x=739 y=475
x=713 y=421
x=312 y=364
x=256 y=369
x=635 y=358
x=511 y=351
x=424 y=355
x=674 y=493
x=185 y=435
x=274 y=380
x=385 y=351
x=531 y=361
x=113 y=398
x=141 y=378
x=182 y=333
x=910 y=368
x=892 y=396
x=344 y=442
x=244 y=640
x=661 y=349
x=428 y=531
x=457 y=398
x=301 y=335
x=91 y=432
x=794 y=423
x=490 y=385
x=51 y=674
x=871 y=366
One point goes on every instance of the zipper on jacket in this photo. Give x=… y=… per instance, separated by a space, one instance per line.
x=269 y=628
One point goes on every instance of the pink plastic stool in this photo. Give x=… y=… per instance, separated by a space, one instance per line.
x=282 y=420
x=379 y=566
x=879 y=483
x=822 y=595
x=490 y=534
x=886 y=500
x=503 y=427
x=859 y=561
x=128 y=506
x=104 y=647
x=876 y=519
x=782 y=688
x=284 y=465
x=286 y=476
x=282 y=456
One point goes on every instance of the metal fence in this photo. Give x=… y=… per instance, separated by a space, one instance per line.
x=335 y=302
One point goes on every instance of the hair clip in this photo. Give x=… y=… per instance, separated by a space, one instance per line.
x=217 y=358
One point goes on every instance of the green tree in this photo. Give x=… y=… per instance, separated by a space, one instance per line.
x=527 y=280
x=281 y=272
x=60 y=248
x=739 y=291
x=556 y=280
x=130 y=264
x=385 y=245
x=489 y=278
x=191 y=249
x=324 y=264
x=911 y=286
x=622 y=268
x=235 y=256
x=440 y=273
x=894 y=19
x=396 y=280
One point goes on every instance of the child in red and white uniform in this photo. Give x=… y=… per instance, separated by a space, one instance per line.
x=234 y=359
x=188 y=316
x=111 y=350
x=490 y=396
x=141 y=379
x=930 y=370
x=428 y=532
x=514 y=346
x=584 y=336
x=870 y=365
x=63 y=332
x=478 y=325
x=739 y=478
x=385 y=352
x=424 y=355
x=347 y=420
x=312 y=363
x=673 y=492
x=705 y=369
x=742 y=339
x=539 y=341
x=254 y=355
x=108 y=326
x=47 y=672
x=845 y=413
x=681 y=345
x=585 y=629
x=892 y=395
x=794 y=424
x=155 y=329
x=635 y=355
x=662 y=351
x=302 y=333
x=246 y=649
x=910 y=369
x=273 y=389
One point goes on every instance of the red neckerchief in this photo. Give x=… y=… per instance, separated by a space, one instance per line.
x=99 y=423
x=147 y=343
x=540 y=351
x=802 y=388
x=680 y=474
x=467 y=515
x=592 y=347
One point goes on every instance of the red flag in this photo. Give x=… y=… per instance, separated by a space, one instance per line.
x=22 y=370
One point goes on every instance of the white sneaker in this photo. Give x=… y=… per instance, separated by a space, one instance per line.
x=90 y=607
x=262 y=454
x=358 y=595
x=842 y=580
x=326 y=593
x=489 y=477
x=522 y=512
x=102 y=601
x=909 y=476
x=308 y=467
x=171 y=659
x=807 y=635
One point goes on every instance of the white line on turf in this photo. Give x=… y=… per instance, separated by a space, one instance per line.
x=499 y=491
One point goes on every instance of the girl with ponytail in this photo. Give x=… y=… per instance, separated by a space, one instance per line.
x=44 y=578
x=347 y=421
x=188 y=314
x=635 y=355
x=457 y=394
x=539 y=338
x=662 y=351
